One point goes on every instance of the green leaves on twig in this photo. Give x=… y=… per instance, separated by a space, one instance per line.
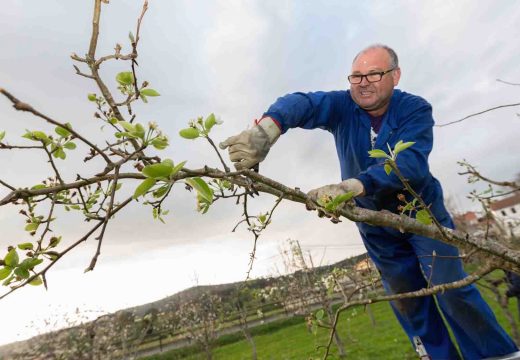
x=422 y=215
x=337 y=202
x=200 y=127
x=159 y=172
x=127 y=85
x=204 y=193
x=57 y=144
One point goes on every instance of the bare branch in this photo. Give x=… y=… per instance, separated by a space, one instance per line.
x=108 y=214
x=478 y=113
x=483 y=270
x=508 y=83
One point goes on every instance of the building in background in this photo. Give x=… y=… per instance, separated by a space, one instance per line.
x=507 y=211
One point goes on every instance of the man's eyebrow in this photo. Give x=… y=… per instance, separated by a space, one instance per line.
x=369 y=72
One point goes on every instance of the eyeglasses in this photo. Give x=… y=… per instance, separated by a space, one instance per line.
x=371 y=78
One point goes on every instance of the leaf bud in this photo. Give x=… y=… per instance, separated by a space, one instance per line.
x=401 y=197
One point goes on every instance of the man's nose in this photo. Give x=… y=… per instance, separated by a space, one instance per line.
x=364 y=81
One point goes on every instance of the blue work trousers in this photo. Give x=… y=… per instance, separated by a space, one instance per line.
x=406 y=264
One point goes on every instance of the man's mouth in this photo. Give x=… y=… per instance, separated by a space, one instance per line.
x=365 y=93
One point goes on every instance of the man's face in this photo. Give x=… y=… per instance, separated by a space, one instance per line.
x=374 y=97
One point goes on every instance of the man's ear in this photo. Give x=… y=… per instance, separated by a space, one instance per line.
x=396 y=75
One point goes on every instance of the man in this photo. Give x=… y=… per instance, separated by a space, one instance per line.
x=370 y=116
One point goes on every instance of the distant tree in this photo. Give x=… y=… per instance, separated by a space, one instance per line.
x=201 y=318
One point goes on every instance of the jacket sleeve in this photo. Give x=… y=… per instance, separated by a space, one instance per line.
x=308 y=110
x=415 y=124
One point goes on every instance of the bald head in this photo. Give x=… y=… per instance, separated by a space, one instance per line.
x=393 y=60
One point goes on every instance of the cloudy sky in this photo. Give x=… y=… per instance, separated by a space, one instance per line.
x=234 y=58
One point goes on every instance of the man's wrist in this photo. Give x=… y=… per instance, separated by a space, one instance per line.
x=271 y=128
x=353 y=185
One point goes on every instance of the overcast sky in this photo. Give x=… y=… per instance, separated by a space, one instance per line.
x=234 y=58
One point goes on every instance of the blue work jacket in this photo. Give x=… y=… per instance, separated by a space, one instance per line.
x=408 y=118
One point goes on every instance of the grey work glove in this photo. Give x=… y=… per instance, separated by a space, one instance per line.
x=251 y=146
x=329 y=192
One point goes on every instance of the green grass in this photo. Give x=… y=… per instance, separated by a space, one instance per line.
x=291 y=339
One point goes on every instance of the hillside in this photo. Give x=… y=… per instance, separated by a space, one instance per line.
x=166 y=305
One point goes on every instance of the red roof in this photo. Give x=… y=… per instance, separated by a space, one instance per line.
x=507 y=202
x=469 y=216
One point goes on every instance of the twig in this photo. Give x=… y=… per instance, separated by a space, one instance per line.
x=485 y=269
x=508 y=83
x=417 y=196
x=21 y=106
x=95 y=30
x=75 y=244
x=49 y=155
x=478 y=113
x=108 y=214
x=7 y=185
x=226 y=168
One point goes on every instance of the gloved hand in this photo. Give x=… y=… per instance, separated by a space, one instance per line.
x=251 y=146
x=329 y=192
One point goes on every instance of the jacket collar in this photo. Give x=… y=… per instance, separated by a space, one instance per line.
x=389 y=119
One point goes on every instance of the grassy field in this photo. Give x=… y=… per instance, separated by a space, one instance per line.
x=362 y=340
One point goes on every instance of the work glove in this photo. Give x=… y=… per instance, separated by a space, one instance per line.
x=251 y=146
x=329 y=192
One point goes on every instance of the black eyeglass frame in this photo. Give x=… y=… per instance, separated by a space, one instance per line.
x=360 y=77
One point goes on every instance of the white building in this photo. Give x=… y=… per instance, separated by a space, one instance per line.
x=507 y=211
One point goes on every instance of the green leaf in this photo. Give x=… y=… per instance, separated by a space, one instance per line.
x=139 y=131
x=145 y=100
x=262 y=218
x=210 y=122
x=5 y=272
x=25 y=246
x=177 y=168
x=388 y=169
x=131 y=37
x=92 y=97
x=2 y=135
x=320 y=314
x=36 y=281
x=38 y=187
x=69 y=145
x=32 y=226
x=55 y=240
x=149 y=92
x=125 y=78
x=400 y=146
x=423 y=217
x=202 y=188
x=11 y=259
x=189 y=133
x=62 y=131
x=340 y=199
x=160 y=143
x=30 y=263
x=113 y=120
x=146 y=185
x=377 y=153
x=158 y=171
x=9 y=280
x=127 y=126
x=161 y=191
x=22 y=272
x=59 y=153
x=37 y=136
